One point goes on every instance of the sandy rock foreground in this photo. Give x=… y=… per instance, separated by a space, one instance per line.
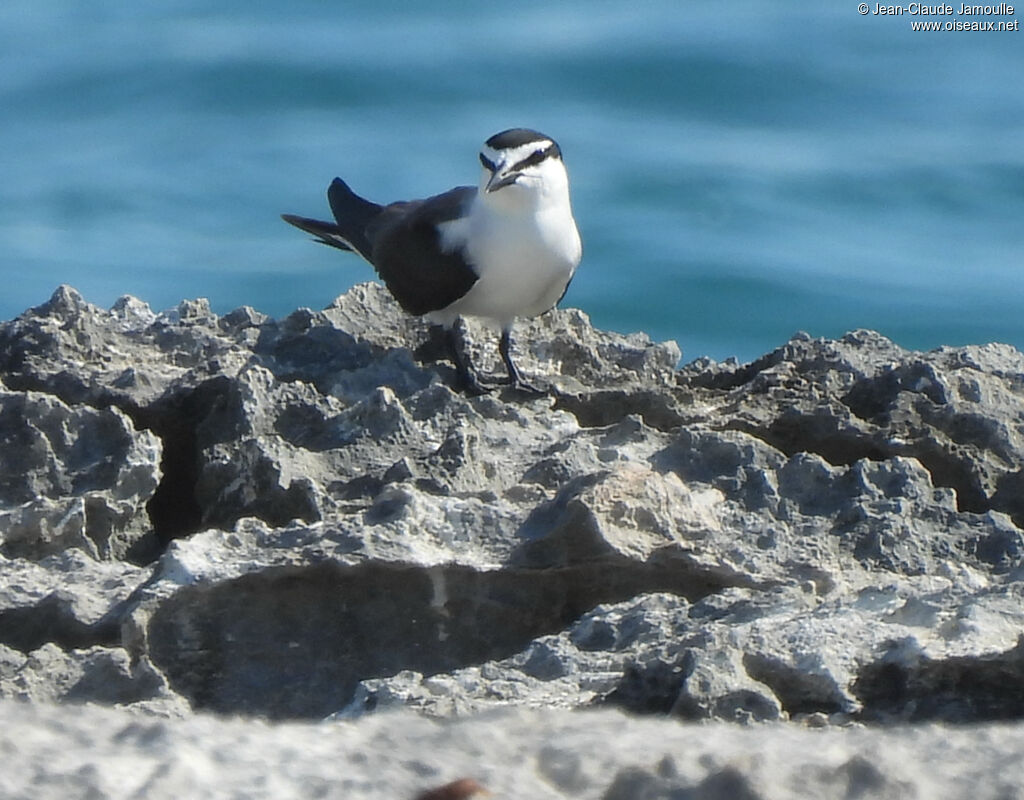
x=57 y=753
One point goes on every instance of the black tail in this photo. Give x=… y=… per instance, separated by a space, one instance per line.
x=353 y=215
x=325 y=232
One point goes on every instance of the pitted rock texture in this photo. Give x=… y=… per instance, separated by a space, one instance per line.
x=72 y=477
x=299 y=518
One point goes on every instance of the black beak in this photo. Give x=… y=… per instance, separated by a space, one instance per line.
x=499 y=180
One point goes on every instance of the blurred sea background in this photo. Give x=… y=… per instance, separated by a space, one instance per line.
x=740 y=170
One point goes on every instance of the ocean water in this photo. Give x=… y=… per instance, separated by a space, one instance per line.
x=740 y=170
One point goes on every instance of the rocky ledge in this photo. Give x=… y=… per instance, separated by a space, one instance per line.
x=298 y=519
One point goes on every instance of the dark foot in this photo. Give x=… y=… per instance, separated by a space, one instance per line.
x=470 y=384
x=466 y=376
x=517 y=384
x=515 y=379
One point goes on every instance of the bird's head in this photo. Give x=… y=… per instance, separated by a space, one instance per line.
x=522 y=170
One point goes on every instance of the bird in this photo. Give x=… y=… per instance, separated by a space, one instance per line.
x=507 y=248
x=461 y=789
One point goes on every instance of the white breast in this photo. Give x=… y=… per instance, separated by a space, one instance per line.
x=524 y=262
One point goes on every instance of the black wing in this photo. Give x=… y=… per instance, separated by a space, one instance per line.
x=354 y=215
x=406 y=251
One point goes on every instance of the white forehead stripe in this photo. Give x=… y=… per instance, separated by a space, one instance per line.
x=512 y=155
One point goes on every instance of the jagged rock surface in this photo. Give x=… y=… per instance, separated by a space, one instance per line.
x=299 y=518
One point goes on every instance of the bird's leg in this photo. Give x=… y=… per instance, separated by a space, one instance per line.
x=468 y=381
x=515 y=380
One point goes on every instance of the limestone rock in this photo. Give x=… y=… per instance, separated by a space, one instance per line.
x=299 y=518
x=72 y=477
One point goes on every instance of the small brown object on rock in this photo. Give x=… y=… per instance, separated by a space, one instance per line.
x=461 y=789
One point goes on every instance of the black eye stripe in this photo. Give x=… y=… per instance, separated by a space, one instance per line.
x=536 y=157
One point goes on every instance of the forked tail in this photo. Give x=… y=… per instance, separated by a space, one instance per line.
x=352 y=213
x=324 y=232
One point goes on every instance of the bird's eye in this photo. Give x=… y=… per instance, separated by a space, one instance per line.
x=532 y=160
x=488 y=164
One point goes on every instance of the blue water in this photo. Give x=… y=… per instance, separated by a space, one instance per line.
x=740 y=171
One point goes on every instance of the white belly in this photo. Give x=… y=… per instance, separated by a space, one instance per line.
x=524 y=266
